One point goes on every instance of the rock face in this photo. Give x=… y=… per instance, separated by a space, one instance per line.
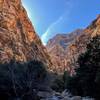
x=18 y=39
x=79 y=45
x=65 y=49
x=58 y=48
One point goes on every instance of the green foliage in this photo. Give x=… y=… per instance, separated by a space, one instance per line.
x=60 y=83
x=18 y=80
x=86 y=82
x=66 y=78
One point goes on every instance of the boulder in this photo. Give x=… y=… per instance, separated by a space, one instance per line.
x=43 y=94
x=65 y=93
x=76 y=98
x=87 y=98
x=66 y=98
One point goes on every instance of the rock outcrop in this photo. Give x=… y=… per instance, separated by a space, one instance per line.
x=80 y=43
x=65 y=49
x=58 y=49
x=18 y=39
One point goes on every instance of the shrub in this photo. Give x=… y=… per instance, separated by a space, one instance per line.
x=60 y=83
x=86 y=82
x=18 y=80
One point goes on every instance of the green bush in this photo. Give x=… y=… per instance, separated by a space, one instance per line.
x=86 y=82
x=60 y=83
x=18 y=80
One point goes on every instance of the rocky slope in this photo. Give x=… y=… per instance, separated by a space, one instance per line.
x=65 y=49
x=58 y=47
x=18 y=39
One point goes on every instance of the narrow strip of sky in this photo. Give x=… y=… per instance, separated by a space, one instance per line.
x=51 y=17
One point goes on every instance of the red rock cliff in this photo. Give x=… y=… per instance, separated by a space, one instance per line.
x=18 y=39
x=65 y=49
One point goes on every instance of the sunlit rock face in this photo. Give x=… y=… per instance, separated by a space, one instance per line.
x=58 y=47
x=18 y=39
x=65 y=49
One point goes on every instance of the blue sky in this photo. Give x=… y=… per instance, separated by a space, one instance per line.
x=51 y=17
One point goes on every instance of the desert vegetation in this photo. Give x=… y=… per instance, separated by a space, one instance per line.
x=20 y=81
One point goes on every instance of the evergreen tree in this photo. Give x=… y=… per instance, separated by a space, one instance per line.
x=87 y=76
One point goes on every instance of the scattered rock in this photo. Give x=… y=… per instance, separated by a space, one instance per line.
x=66 y=98
x=60 y=96
x=76 y=98
x=65 y=93
x=44 y=94
x=87 y=98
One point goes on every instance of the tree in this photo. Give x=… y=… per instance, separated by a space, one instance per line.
x=18 y=80
x=66 y=78
x=88 y=74
x=60 y=82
